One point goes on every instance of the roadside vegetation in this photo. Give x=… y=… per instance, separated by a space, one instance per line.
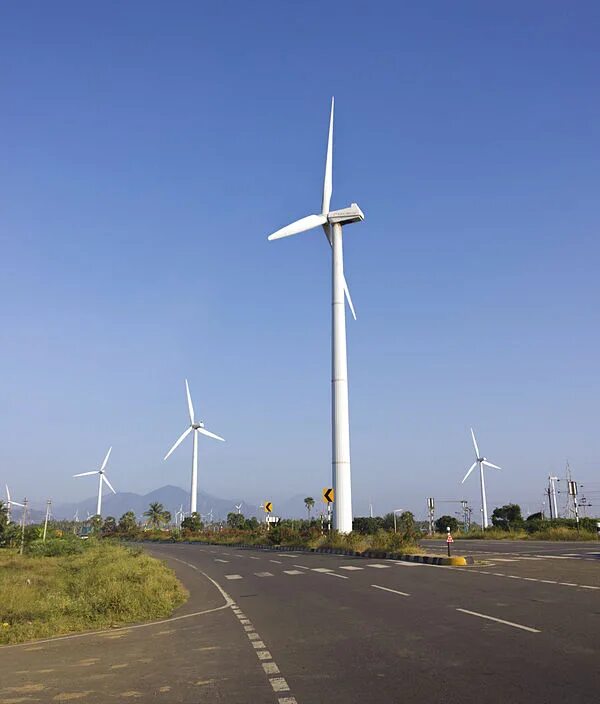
x=68 y=585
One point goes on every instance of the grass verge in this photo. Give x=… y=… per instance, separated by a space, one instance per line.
x=103 y=586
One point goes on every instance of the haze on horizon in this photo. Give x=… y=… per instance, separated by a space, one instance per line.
x=149 y=149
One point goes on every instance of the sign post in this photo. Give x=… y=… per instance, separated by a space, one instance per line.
x=328 y=498
x=449 y=540
x=430 y=511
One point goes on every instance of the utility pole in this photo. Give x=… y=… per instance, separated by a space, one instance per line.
x=48 y=504
x=466 y=515
x=23 y=526
x=396 y=510
x=573 y=494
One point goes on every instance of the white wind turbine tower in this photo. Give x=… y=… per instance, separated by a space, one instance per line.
x=101 y=479
x=238 y=507
x=198 y=427
x=332 y=222
x=10 y=503
x=481 y=461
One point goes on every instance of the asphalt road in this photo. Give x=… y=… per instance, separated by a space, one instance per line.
x=306 y=628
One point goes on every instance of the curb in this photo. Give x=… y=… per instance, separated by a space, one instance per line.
x=458 y=561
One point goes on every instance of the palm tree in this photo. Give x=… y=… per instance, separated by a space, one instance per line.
x=309 y=502
x=157 y=516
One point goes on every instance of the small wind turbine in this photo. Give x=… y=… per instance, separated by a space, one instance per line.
x=198 y=426
x=101 y=478
x=332 y=222
x=239 y=508
x=481 y=461
x=10 y=503
x=179 y=516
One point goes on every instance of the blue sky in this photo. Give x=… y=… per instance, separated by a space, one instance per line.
x=150 y=147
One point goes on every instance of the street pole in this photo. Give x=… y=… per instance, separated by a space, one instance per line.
x=448 y=540
x=46 y=521
x=23 y=527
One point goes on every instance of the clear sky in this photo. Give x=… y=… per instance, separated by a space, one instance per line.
x=148 y=149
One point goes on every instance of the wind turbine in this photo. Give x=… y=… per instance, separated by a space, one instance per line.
x=332 y=222
x=101 y=478
x=197 y=426
x=239 y=508
x=481 y=461
x=9 y=504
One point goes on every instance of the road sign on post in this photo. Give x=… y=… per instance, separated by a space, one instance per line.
x=268 y=506
x=328 y=495
x=449 y=540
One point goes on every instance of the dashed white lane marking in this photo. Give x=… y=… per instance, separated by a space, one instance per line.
x=292 y=572
x=263 y=655
x=504 y=559
x=263 y=574
x=226 y=553
x=548 y=581
x=302 y=567
x=350 y=568
x=387 y=589
x=333 y=574
x=270 y=668
x=248 y=629
x=245 y=622
x=554 y=557
x=217 y=559
x=277 y=562
x=233 y=576
x=288 y=554
x=279 y=684
x=568 y=584
x=405 y=563
x=287 y=700
x=499 y=620
x=318 y=569
x=258 y=644
x=588 y=586
x=253 y=636
x=252 y=557
x=379 y=566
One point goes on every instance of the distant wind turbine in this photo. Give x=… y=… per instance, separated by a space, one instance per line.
x=481 y=461
x=239 y=508
x=9 y=504
x=197 y=426
x=332 y=222
x=101 y=479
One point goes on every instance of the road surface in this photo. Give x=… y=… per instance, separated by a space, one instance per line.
x=295 y=628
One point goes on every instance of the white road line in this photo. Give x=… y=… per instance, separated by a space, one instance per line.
x=387 y=589
x=513 y=576
x=248 y=629
x=233 y=576
x=553 y=557
x=379 y=566
x=263 y=654
x=333 y=574
x=292 y=572
x=277 y=562
x=270 y=668
x=499 y=620
x=588 y=586
x=351 y=568
x=318 y=569
x=548 y=581
x=405 y=563
x=263 y=574
x=503 y=559
x=253 y=636
x=287 y=700
x=279 y=684
x=258 y=644
x=498 y=574
x=568 y=584
x=217 y=559
x=245 y=622
x=302 y=567
x=252 y=557
x=288 y=554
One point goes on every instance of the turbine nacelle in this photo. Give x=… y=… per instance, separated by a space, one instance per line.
x=198 y=425
x=345 y=216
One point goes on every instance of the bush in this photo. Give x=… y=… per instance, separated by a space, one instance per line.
x=55 y=547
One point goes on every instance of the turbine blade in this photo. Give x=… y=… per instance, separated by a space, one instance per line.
x=298 y=226
x=489 y=464
x=210 y=435
x=475 y=443
x=190 y=404
x=106 y=459
x=328 y=180
x=108 y=484
x=469 y=472
x=16 y=503
x=86 y=474
x=179 y=441
x=349 y=298
x=7 y=493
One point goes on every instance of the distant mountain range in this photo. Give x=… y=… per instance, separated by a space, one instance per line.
x=171 y=497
